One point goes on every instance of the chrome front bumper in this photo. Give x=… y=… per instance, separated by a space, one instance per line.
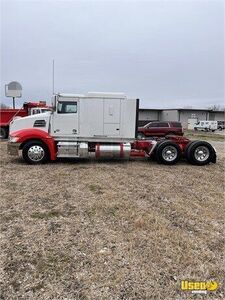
x=13 y=148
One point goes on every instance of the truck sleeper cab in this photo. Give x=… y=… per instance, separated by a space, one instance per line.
x=97 y=125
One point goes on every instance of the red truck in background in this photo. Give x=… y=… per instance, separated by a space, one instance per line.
x=28 y=108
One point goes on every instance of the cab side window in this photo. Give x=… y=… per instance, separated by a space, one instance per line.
x=65 y=107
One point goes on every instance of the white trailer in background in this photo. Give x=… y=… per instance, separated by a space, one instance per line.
x=206 y=126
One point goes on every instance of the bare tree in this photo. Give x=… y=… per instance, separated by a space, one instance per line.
x=217 y=107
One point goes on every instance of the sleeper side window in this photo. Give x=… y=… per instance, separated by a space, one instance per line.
x=65 y=107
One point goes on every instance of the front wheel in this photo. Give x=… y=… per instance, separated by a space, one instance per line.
x=35 y=152
x=168 y=153
x=200 y=153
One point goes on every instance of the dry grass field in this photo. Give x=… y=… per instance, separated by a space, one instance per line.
x=111 y=230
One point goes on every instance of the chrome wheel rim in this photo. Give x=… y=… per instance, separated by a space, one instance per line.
x=169 y=153
x=201 y=153
x=36 y=153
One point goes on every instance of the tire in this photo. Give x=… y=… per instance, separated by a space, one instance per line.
x=35 y=152
x=168 y=153
x=141 y=136
x=3 y=133
x=200 y=153
x=187 y=147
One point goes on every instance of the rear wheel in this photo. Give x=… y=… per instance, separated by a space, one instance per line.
x=35 y=152
x=168 y=153
x=187 y=147
x=3 y=133
x=200 y=153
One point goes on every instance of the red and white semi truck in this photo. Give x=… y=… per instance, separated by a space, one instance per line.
x=97 y=125
x=8 y=114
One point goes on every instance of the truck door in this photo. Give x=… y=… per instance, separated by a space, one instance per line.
x=65 y=118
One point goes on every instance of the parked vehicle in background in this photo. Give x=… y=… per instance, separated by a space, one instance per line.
x=206 y=126
x=157 y=129
x=221 y=125
x=28 y=108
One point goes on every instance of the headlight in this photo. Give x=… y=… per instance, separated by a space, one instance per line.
x=13 y=139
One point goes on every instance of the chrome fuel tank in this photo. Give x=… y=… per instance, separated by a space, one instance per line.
x=113 y=150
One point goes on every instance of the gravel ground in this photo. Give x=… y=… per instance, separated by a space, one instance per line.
x=110 y=230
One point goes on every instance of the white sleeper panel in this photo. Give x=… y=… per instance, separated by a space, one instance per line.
x=112 y=111
x=112 y=129
x=128 y=118
x=91 y=117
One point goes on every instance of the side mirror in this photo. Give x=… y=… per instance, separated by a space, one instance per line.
x=54 y=100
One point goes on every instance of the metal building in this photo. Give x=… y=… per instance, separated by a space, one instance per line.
x=147 y=115
x=179 y=114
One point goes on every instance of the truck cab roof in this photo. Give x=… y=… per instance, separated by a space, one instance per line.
x=94 y=95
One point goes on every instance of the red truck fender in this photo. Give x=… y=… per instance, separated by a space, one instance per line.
x=25 y=135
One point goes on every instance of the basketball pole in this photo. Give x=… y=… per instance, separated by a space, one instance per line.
x=13 y=102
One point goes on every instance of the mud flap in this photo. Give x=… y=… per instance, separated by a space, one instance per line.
x=214 y=157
